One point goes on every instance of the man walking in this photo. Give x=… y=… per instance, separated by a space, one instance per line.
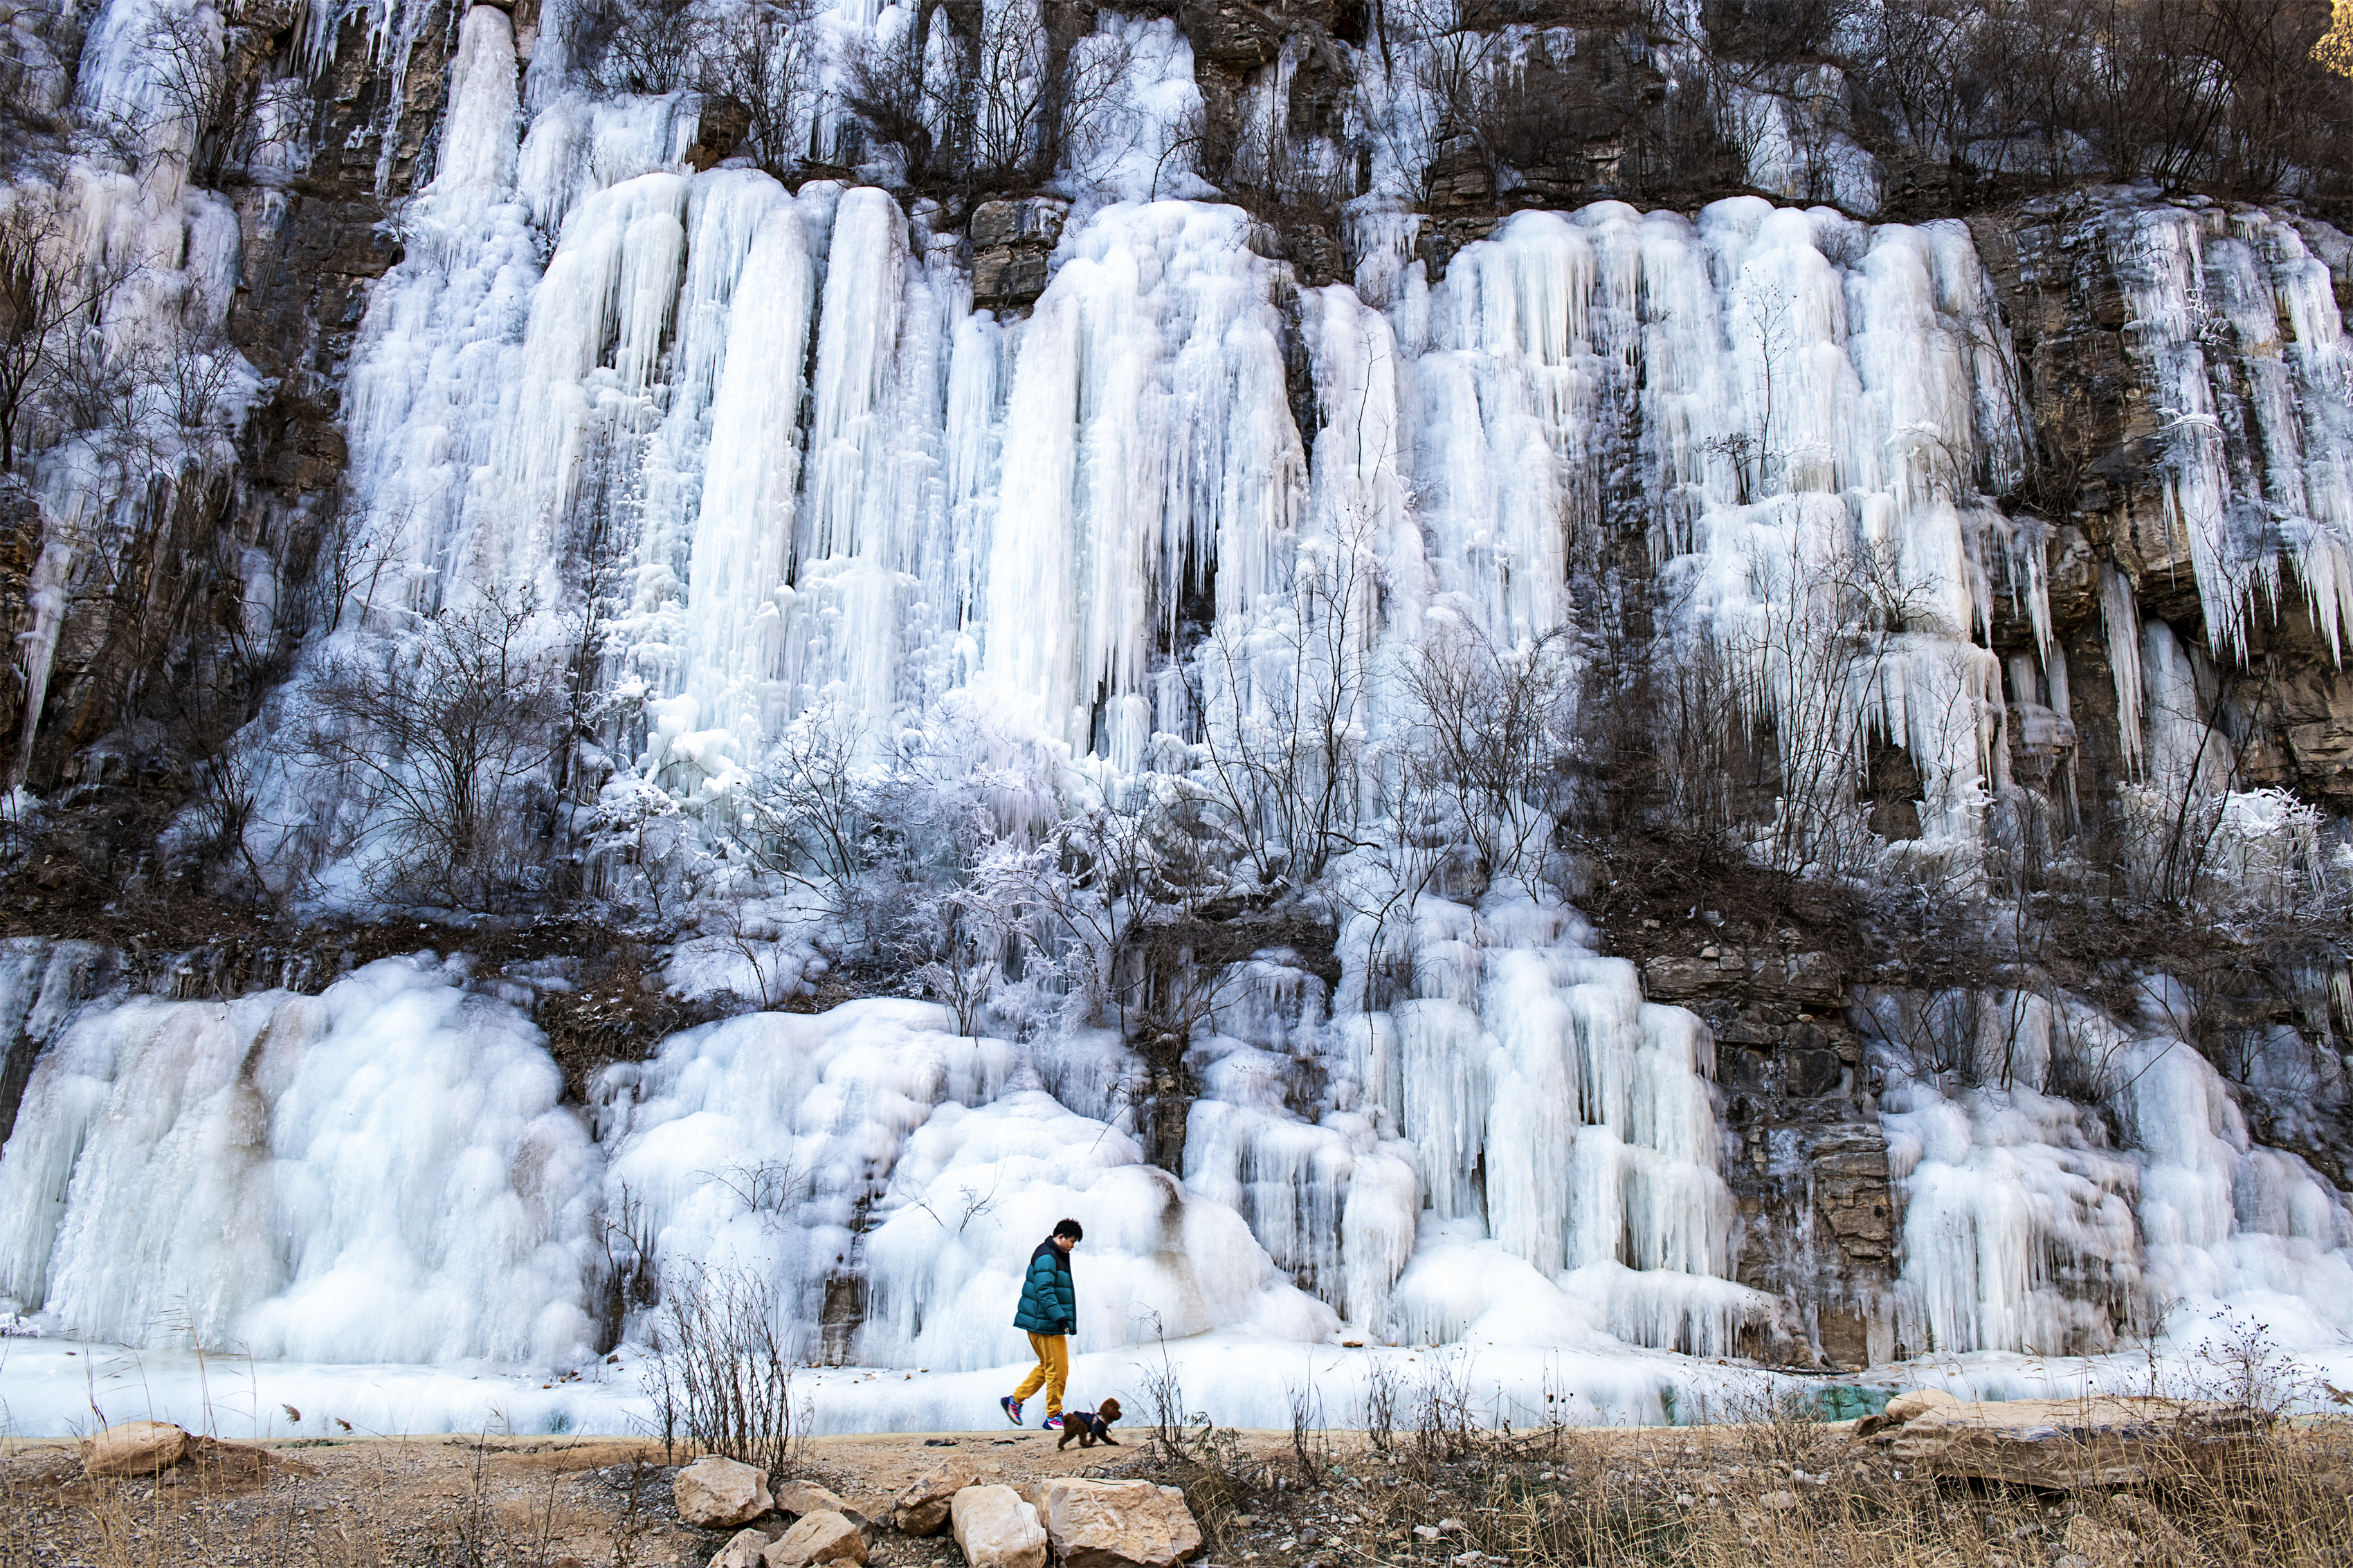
x=1050 y=1312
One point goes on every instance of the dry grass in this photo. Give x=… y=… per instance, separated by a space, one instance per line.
x=432 y=1503
x=1777 y=1489
x=1781 y=1491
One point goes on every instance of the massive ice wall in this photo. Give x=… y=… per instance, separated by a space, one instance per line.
x=758 y=443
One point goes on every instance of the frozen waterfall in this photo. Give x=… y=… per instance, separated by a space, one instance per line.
x=755 y=452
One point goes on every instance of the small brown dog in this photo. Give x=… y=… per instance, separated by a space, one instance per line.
x=1090 y=1427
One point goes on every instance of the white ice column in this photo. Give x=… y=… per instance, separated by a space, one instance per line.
x=1147 y=432
x=1506 y=404
x=737 y=596
x=438 y=351
x=874 y=532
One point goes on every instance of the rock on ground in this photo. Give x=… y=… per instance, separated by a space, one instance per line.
x=995 y=1529
x=1918 y=1402
x=1118 y=1524
x=923 y=1508
x=825 y=1536
x=743 y=1552
x=714 y=1493
x=136 y=1449
x=2066 y=1444
x=805 y=1497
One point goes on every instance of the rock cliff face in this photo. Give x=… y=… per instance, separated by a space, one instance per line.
x=1918 y=649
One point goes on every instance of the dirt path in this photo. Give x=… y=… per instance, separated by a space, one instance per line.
x=1791 y=1495
x=546 y=1503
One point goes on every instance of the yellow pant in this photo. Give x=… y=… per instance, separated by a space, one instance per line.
x=1053 y=1371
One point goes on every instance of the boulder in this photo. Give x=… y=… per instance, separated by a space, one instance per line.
x=1917 y=1402
x=136 y=1449
x=995 y=1529
x=714 y=1493
x=797 y=1498
x=1012 y=250
x=1118 y=1524
x=923 y=1508
x=2068 y=1444
x=743 y=1552
x=824 y=1536
x=1033 y=220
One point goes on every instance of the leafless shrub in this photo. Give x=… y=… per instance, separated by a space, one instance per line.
x=1446 y=1425
x=721 y=1372
x=763 y=56
x=52 y=296
x=642 y=46
x=1308 y=1449
x=1490 y=730
x=1935 y=1032
x=1180 y=1435
x=1382 y=1388
x=632 y=1278
x=440 y=739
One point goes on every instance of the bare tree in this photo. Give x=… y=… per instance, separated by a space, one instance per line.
x=963 y=936
x=885 y=88
x=1805 y=661
x=440 y=743
x=215 y=103
x=803 y=815
x=643 y=45
x=1490 y=730
x=1284 y=720
x=52 y=293
x=1031 y=92
x=763 y=56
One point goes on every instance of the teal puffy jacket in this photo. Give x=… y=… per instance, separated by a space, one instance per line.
x=1049 y=1305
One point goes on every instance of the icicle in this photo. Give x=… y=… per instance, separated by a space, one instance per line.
x=2121 y=616
x=737 y=592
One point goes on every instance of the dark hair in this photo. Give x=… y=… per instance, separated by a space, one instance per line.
x=1070 y=1229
